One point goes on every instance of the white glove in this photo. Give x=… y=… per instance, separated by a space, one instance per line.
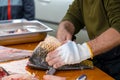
x=71 y=53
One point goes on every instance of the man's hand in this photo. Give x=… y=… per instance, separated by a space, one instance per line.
x=65 y=31
x=68 y=53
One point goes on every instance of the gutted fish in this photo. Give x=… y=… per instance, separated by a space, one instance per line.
x=37 y=60
x=20 y=77
x=7 y=54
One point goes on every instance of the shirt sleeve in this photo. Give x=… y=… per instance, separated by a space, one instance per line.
x=113 y=13
x=29 y=9
x=74 y=15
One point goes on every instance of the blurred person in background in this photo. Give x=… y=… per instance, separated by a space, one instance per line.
x=17 y=9
x=101 y=18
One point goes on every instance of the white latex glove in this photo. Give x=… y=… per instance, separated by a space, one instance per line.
x=71 y=53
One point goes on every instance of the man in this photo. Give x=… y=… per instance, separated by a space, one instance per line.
x=102 y=21
x=17 y=9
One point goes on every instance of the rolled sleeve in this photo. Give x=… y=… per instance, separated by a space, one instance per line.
x=113 y=13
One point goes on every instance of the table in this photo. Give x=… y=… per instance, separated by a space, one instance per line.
x=94 y=74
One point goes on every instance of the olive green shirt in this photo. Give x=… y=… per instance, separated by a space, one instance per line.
x=96 y=15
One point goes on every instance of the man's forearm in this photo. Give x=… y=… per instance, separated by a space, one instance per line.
x=106 y=41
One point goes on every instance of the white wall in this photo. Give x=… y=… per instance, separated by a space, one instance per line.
x=51 y=10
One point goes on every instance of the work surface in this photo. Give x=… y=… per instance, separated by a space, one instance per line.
x=94 y=74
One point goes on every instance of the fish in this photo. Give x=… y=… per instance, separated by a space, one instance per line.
x=37 y=60
x=19 y=77
x=3 y=72
x=9 y=54
x=51 y=71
